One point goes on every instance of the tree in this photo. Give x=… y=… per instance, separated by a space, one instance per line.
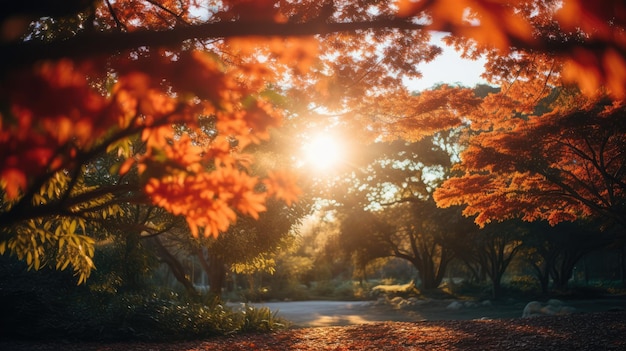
x=87 y=76
x=553 y=251
x=387 y=210
x=496 y=246
x=559 y=167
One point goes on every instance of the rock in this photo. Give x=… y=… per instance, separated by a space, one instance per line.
x=421 y=302
x=486 y=303
x=533 y=308
x=470 y=304
x=552 y=307
x=549 y=310
x=404 y=304
x=455 y=306
x=567 y=310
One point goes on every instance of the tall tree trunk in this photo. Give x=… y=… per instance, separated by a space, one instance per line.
x=429 y=275
x=563 y=269
x=496 y=288
x=130 y=274
x=215 y=269
x=543 y=276
x=175 y=266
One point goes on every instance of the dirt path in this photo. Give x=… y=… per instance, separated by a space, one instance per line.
x=341 y=313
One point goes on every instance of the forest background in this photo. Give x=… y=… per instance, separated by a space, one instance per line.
x=154 y=150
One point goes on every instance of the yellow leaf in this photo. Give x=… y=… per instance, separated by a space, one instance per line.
x=89 y=262
x=3 y=247
x=73 y=227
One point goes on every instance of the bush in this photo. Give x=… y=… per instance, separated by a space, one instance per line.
x=260 y=319
x=390 y=291
x=524 y=284
x=48 y=305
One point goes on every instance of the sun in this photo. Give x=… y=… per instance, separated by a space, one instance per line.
x=323 y=152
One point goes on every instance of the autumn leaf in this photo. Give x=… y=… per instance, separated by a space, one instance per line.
x=13 y=181
x=282 y=185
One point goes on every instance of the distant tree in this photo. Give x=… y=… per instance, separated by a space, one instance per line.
x=495 y=246
x=247 y=246
x=554 y=251
x=389 y=212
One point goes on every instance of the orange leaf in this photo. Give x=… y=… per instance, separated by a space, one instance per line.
x=282 y=185
x=14 y=180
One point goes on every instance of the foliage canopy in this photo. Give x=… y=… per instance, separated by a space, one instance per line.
x=178 y=92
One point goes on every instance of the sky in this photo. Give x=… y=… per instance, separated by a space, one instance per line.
x=448 y=68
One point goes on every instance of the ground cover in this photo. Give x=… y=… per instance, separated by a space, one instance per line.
x=582 y=331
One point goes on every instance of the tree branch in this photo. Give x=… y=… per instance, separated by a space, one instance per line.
x=94 y=44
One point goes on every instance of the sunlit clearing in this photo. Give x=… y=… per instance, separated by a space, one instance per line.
x=323 y=152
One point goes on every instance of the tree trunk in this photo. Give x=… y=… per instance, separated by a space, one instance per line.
x=215 y=269
x=175 y=266
x=130 y=274
x=496 y=288
x=544 y=280
x=429 y=278
x=562 y=271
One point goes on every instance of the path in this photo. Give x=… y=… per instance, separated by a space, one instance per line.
x=338 y=313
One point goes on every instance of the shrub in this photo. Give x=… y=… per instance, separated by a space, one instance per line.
x=260 y=319
x=390 y=291
x=43 y=305
x=524 y=284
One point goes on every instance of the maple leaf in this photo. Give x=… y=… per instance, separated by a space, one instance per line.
x=282 y=185
x=13 y=181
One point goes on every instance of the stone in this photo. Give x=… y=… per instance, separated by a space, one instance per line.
x=550 y=308
x=470 y=304
x=455 y=306
x=567 y=310
x=533 y=308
